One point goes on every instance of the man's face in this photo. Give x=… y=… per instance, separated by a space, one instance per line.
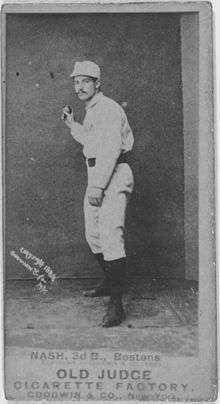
x=86 y=87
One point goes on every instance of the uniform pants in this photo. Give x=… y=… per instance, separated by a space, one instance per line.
x=104 y=225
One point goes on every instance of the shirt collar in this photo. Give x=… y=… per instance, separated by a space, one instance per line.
x=97 y=97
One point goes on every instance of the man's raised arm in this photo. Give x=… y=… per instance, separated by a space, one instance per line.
x=76 y=129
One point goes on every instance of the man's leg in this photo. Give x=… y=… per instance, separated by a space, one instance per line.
x=115 y=274
x=112 y=218
x=103 y=288
x=111 y=225
x=91 y=214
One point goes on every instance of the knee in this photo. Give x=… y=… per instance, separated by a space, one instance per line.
x=112 y=235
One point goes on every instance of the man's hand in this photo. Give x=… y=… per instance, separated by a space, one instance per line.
x=67 y=116
x=95 y=196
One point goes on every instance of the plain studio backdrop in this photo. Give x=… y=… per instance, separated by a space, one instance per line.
x=148 y=64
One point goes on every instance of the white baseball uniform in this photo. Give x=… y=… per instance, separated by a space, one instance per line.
x=105 y=134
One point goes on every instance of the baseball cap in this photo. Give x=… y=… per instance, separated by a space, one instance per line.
x=86 y=68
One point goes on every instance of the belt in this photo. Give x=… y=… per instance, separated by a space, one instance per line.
x=122 y=159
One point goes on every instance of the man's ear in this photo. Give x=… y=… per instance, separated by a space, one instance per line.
x=97 y=84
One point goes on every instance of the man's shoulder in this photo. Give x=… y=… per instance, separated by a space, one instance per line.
x=108 y=102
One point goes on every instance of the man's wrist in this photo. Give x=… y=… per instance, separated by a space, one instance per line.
x=73 y=125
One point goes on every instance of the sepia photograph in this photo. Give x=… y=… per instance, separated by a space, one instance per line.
x=108 y=188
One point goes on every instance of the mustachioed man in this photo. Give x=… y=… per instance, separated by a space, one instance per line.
x=106 y=138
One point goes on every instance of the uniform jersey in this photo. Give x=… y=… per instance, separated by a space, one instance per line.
x=105 y=134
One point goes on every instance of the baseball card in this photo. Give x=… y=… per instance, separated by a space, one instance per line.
x=109 y=201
